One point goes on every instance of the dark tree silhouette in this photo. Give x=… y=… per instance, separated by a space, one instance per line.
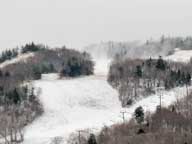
x=92 y=139
x=139 y=114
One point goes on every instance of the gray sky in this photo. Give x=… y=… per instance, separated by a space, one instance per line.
x=77 y=23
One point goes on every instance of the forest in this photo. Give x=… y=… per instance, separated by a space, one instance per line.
x=134 y=78
x=19 y=103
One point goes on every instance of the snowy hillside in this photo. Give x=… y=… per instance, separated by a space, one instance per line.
x=73 y=104
x=81 y=103
x=180 y=55
x=87 y=102
x=22 y=57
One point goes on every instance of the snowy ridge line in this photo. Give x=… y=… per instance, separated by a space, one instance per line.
x=19 y=58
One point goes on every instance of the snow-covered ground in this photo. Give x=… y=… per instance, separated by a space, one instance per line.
x=86 y=102
x=19 y=58
x=180 y=55
x=101 y=66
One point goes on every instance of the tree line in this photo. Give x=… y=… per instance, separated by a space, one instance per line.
x=19 y=107
x=66 y=62
x=8 y=54
x=141 y=77
x=13 y=53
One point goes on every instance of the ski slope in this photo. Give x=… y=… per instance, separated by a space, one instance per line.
x=81 y=103
x=87 y=102
x=180 y=55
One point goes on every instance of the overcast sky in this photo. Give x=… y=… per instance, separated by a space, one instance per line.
x=77 y=23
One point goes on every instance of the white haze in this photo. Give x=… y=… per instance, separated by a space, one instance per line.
x=77 y=23
x=135 y=49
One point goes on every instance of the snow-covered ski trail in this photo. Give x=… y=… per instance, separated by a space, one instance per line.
x=73 y=104
x=81 y=103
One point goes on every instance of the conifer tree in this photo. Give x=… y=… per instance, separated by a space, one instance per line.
x=16 y=97
x=160 y=64
x=139 y=114
x=92 y=139
x=138 y=71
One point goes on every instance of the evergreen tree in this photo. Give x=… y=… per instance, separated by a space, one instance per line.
x=8 y=54
x=179 y=76
x=92 y=139
x=75 y=67
x=31 y=48
x=138 y=71
x=14 y=52
x=183 y=78
x=139 y=114
x=160 y=64
x=31 y=94
x=13 y=97
x=16 y=97
x=188 y=79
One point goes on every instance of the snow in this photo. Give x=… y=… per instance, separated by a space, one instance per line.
x=180 y=55
x=21 y=57
x=73 y=104
x=52 y=76
x=86 y=102
x=102 y=66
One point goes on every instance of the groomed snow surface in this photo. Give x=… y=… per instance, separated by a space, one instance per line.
x=87 y=102
x=180 y=55
x=81 y=103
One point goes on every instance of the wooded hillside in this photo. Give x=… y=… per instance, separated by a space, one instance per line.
x=134 y=78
